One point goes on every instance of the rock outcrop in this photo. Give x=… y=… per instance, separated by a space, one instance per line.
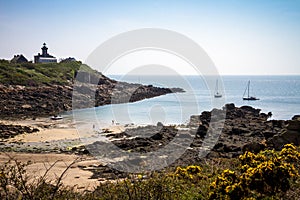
x=9 y=131
x=24 y=101
x=245 y=129
x=289 y=134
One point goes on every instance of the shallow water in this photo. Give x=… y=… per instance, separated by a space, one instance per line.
x=278 y=94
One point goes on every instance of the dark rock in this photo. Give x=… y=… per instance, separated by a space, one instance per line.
x=238 y=131
x=294 y=125
x=84 y=151
x=202 y=130
x=253 y=147
x=250 y=109
x=229 y=106
x=157 y=136
x=225 y=148
x=205 y=116
x=288 y=136
x=231 y=148
x=296 y=117
x=159 y=124
x=268 y=134
x=10 y=131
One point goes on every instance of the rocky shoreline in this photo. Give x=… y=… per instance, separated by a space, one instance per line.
x=9 y=131
x=245 y=129
x=43 y=101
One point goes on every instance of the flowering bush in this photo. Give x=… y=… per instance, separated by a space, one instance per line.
x=192 y=172
x=267 y=173
x=226 y=186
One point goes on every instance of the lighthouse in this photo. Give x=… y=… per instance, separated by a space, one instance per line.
x=44 y=57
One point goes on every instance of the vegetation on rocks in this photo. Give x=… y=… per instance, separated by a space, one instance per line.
x=43 y=89
x=37 y=74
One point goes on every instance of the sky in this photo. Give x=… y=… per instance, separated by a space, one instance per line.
x=242 y=37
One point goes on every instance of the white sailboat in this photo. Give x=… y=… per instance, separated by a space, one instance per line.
x=248 y=97
x=217 y=93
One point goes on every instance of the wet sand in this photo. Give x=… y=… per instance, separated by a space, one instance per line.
x=51 y=132
x=54 y=130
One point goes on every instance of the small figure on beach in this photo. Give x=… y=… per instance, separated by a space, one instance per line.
x=113 y=122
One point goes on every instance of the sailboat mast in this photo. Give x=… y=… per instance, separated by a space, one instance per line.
x=252 y=98
x=248 y=88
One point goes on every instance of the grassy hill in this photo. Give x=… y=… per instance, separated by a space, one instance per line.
x=31 y=74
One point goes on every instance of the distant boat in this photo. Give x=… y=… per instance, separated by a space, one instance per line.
x=55 y=117
x=217 y=93
x=249 y=98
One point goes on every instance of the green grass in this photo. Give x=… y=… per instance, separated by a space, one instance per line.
x=31 y=74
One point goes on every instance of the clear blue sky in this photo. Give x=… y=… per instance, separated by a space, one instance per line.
x=241 y=36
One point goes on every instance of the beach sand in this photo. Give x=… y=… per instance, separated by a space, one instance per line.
x=75 y=176
x=49 y=131
x=53 y=130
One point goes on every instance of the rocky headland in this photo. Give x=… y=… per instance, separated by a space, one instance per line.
x=43 y=101
x=40 y=90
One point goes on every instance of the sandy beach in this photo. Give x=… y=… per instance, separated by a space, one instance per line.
x=41 y=162
x=54 y=132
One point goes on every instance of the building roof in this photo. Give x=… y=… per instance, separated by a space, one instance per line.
x=18 y=59
x=70 y=59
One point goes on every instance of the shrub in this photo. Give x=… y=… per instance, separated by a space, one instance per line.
x=192 y=173
x=266 y=174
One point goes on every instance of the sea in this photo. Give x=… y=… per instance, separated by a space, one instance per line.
x=277 y=94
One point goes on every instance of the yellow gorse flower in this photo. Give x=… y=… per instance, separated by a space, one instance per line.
x=265 y=173
x=190 y=172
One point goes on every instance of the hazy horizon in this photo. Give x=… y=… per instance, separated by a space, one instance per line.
x=241 y=37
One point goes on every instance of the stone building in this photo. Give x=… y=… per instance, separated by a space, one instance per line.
x=18 y=59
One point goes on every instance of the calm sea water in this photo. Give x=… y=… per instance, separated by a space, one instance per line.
x=278 y=94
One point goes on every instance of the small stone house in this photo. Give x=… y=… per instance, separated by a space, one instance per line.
x=18 y=59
